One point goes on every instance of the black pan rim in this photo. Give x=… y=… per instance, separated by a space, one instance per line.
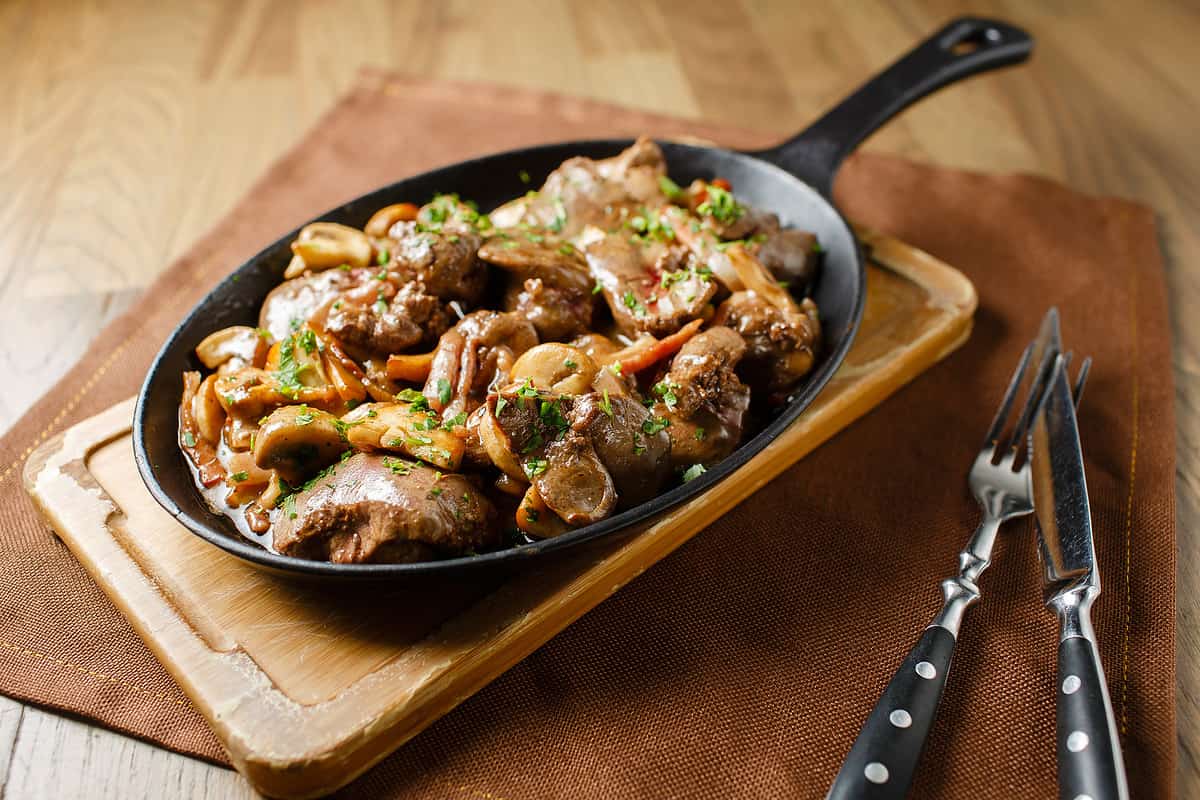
x=828 y=364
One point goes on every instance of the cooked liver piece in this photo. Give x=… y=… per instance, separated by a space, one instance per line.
x=549 y=283
x=365 y=328
x=444 y=261
x=383 y=509
x=298 y=298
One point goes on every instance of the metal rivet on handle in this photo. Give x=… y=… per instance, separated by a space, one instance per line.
x=900 y=718
x=876 y=772
x=1071 y=684
x=926 y=670
x=1077 y=741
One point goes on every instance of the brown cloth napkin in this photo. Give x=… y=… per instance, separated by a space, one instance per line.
x=742 y=665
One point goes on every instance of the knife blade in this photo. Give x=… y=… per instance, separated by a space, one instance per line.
x=1089 y=753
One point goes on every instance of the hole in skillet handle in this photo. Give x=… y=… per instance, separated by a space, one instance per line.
x=966 y=41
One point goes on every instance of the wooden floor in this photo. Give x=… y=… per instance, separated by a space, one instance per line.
x=128 y=128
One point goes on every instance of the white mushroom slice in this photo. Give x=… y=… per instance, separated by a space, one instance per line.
x=232 y=348
x=559 y=368
x=322 y=245
x=297 y=441
x=405 y=428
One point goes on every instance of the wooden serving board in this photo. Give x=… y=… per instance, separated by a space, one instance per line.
x=309 y=684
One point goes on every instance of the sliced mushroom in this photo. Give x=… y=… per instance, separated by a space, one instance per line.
x=322 y=245
x=207 y=411
x=232 y=348
x=409 y=428
x=383 y=219
x=558 y=368
x=297 y=441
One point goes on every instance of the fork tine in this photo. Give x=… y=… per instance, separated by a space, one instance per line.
x=1081 y=381
x=1009 y=395
x=1040 y=379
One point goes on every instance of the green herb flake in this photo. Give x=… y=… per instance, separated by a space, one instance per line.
x=500 y=404
x=305 y=416
x=344 y=267
x=398 y=466
x=189 y=439
x=238 y=477
x=383 y=256
x=631 y=302
x=289 y=505
x=524 y=176
x=534 y=467
x=669 y=187
x=720 y=205
x=816 y=248
x=597 y=289
x=443 y=390
x=666 y=390
x=606 y=404
x=615 y=368
x=566 y=249
x=699 y=434
x=531 y=514
x=435 y=491
x=569 y=364
x=458 y=419
x=532 y=443
x=654 y=425
x=413 y=398
x=693 y=472
x=527 y=389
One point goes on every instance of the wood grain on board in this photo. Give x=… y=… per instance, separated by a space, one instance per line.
x=260 y=655
x=129 y=127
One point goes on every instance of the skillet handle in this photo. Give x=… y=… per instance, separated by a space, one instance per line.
x=964 y=47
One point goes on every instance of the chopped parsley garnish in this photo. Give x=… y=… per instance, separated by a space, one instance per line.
x=527 y=389
x=650 y=227
x=566 y=249
x=721 y=205
x=669 y=187
x=382 y=257
x=398 y=466
x=189 y=439
x=524 y=176
x=435 y=491
x=288 y=373
x=531 y=514
x=606 y=404
x=535 y=467
x=631 y=302
x=263 y=333
x=597 y=289
x=536 y=238
x=638 y=447
x=500 y=404
x=666 y=390
x=560 y=217
x=513 y=245
x=699 y=434
x=693 y=472
x=414 y=398
x=417 y=440
x=344 y=267
x=458 y=419
x=816 y=248
x=304 y=416
x=569 y=364
x=534 y=441
x=289 y=505
x=381 y=275
x=380 y=304
x=240 y=476
x=427 y=424
x=615 y=368
x=655 y=424
x=552 y=416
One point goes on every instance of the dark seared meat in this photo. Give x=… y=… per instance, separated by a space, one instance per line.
x=444 y=260
x=296 y=300
x=780 y=346
x=790 y=254
x=631 y=442
x=585 y=454
x=583 y=192
x=649 y=288
x=549 y=284
x=390 y=322
x=373 y=508
x=703 y=398
x=474 y=355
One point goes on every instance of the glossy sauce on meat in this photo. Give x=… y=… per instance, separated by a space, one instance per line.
x=388 y=409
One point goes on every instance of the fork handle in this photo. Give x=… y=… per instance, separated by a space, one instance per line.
x=884 y=757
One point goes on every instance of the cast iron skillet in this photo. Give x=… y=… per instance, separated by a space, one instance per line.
x=793 y=179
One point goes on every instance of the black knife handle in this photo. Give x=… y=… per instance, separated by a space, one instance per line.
x=1089 y=757
x=884 y=757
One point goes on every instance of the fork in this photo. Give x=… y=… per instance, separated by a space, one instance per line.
x=884 y=757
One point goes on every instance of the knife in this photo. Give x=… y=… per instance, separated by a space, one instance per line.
x=1089 y=754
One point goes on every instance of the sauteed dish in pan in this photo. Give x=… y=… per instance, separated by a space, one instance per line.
x=447 y=382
